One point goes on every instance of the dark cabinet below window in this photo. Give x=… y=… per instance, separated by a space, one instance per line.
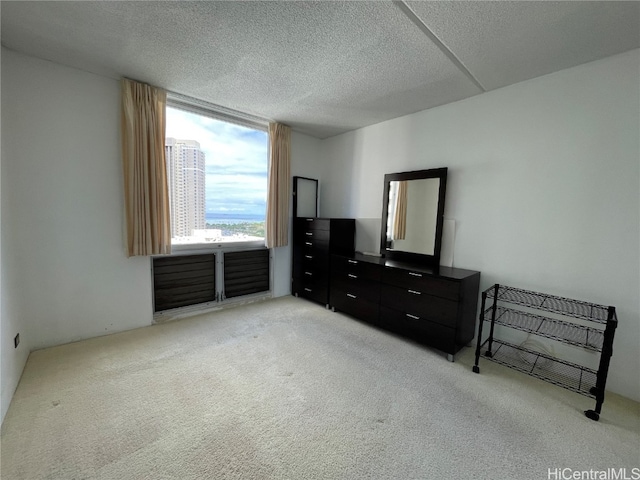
x=183 y=280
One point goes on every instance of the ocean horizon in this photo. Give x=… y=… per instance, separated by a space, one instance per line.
x=213 y=217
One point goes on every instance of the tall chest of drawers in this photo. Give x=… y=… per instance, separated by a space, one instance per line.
x=314 y=240
x=436 y=308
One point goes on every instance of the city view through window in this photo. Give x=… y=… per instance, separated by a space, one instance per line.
x=217 y=177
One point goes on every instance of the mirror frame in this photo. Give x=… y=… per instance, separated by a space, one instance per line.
x=295 y=194
x=425 y=259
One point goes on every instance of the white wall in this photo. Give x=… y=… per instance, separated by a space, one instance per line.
x=61 y=162
x=12 y=360
x=543 y=185
x=62 y=213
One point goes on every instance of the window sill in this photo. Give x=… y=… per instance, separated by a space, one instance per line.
x=211 y=247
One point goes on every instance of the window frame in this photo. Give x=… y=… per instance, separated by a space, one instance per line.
x=216 y=112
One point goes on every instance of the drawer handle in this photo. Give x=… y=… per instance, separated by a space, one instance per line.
x=309 y=219
x=352 y=275
x=307 y=289
x=351 y=296
x=352 y=261
x=309 y=243
x=309 y=257
x=310 y=234
x=308 y=273
x=413 y=316
x=415 y=274
x=415 y=292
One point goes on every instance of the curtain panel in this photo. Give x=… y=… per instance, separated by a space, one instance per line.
x=277 y=223
x=146 y=195
x=400 y=218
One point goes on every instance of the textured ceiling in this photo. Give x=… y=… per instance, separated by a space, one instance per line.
x=322 y=67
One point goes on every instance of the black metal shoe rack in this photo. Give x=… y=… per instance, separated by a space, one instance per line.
x=594 y=331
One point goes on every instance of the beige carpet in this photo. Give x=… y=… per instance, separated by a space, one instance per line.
x=287 y=389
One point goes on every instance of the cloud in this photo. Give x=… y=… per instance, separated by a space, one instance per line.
x=235 y=158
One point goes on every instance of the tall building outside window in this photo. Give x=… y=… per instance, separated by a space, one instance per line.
x=186 y=179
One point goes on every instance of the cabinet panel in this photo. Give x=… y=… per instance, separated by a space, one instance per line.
x=350 y=266
x=312 y=223
x=314 y=276
x=422 y=330
x=310 y=250
x=343 y=235
x=420 y=304
x=317 y=237
x=246 y=272
x=313 y=261
x=311 y=289
x=180 y=281
x=421 y=281
x=362 y=288
x=311 y=244
x=353 y=305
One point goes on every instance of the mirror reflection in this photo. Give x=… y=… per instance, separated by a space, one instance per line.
x=412 y=215
x=305 y=197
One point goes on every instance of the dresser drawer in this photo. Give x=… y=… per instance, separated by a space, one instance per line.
x=420 y=305
x=430 y=333
x=353 y=305
x=363 y=270
x=312 y=223
x=311 y=289
x=361 y=288
x=310 y=273
x=317 y=237
x=311 y=248
x=421 y=282
x=314 y=258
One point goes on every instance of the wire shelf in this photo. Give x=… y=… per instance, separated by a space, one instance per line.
x=551 y=303
x=529 y=314
x=559 y=372
x=565 y=332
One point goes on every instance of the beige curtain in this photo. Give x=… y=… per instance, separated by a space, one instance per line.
x=148 y=222
x=277 y=228
x=400 y=218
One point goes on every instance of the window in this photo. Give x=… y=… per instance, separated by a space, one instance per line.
x=217 y=176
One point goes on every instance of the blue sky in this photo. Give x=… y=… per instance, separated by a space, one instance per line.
x=236 y=161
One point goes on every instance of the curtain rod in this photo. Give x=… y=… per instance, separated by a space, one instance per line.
x=209 y=109
x=218 y=110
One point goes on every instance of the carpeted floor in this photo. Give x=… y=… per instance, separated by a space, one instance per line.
x=287 y=389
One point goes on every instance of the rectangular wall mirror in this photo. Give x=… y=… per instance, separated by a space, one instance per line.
x=305 y=197
x=412 y=215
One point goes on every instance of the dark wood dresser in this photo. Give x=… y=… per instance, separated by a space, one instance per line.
x=355 y=286
x=314 y=240
x=434 y=307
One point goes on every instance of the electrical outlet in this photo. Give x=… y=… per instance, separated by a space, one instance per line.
x=16 y=341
